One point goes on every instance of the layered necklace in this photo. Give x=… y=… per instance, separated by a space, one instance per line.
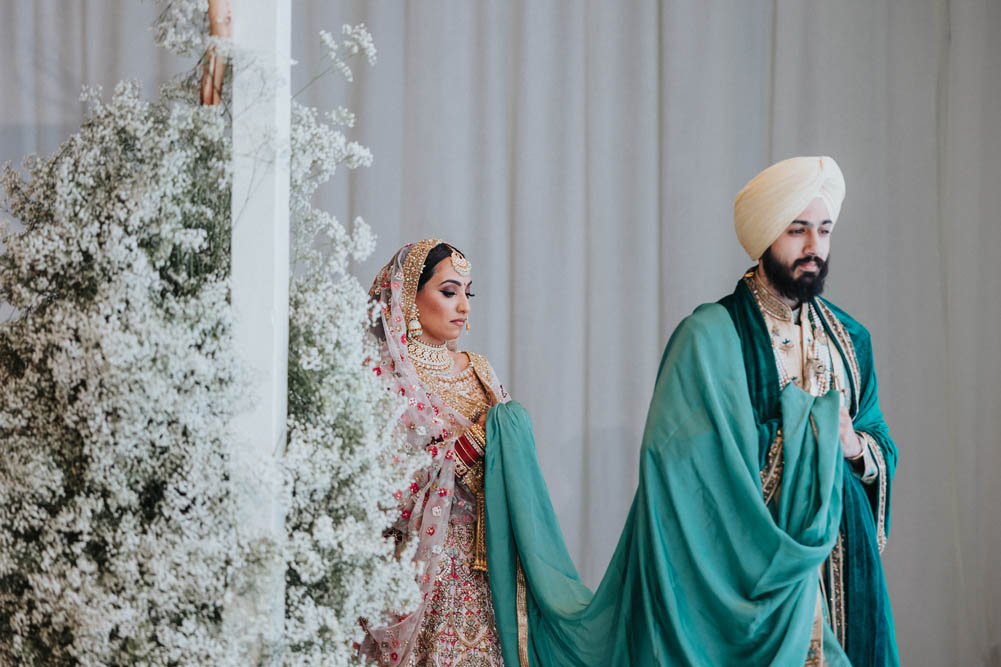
x=433 y=358
x=817 y=365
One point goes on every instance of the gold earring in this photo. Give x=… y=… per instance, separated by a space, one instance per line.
x=414 y=328
x=467 y=325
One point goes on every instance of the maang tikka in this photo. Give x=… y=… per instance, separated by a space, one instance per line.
x=460 y=263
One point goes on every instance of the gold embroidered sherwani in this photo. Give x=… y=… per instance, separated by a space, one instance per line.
x=805 y=357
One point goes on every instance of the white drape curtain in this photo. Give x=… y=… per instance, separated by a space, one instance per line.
x=585 y=156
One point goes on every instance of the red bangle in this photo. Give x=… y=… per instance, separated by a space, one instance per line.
x=466 y=451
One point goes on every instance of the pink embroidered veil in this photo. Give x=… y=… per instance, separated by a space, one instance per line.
x=427 y=423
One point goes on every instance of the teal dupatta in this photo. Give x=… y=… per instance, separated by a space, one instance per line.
x=704 y=572
x=865 y=628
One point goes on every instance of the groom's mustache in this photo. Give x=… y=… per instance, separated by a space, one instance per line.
x=806 y=260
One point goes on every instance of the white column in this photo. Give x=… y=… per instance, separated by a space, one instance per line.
x=262 y=30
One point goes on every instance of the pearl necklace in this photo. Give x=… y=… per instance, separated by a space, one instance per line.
x=818 y=357
x=817 y=375
x=434 y=358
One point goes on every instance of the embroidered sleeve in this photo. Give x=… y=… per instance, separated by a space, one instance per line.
x=879 y=477
x=488 y=377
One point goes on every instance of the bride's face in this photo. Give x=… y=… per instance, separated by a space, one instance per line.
x=443 y=304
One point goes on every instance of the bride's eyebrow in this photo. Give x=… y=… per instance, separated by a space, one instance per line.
x=455 y=282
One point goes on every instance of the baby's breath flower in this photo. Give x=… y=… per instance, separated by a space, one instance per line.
x=117 y=523
x=342 y=432
x=357 y=41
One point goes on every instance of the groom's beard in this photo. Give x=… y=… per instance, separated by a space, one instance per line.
x=800 y=289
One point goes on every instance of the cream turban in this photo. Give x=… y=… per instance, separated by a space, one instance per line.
x=773 y=199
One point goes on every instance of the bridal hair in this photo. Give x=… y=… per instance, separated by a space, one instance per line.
x=438 y=253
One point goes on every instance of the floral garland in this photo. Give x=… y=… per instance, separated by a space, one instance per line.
x=118 y=540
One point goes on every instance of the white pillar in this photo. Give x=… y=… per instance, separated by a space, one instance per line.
x=260 y=280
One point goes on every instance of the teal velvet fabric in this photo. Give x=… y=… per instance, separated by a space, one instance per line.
x=869 y=634
x=704 y=573
x=759 y=364
x=870 y=639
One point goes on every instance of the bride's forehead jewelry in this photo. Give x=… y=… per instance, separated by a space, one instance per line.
x=460 y=263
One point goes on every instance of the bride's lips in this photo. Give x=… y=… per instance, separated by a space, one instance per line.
x=460 y=322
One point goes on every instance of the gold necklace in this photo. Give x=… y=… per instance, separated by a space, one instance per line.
x=434 y=358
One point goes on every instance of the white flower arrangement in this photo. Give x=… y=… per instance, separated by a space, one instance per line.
x=118 y=540
x=345 y=456
x=116 y=521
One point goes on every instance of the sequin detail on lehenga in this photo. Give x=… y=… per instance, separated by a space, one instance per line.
x=459 y=629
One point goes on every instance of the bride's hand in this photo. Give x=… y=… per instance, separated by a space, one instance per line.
x=482 y=421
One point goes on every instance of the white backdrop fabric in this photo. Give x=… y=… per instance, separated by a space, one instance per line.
x=585 y=155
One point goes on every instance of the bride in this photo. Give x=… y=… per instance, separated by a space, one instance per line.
x=424 y=296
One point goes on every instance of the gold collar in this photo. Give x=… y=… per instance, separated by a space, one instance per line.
x=433 y=358
x=767 y=300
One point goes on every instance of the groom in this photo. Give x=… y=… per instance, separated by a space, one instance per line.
x=785 y=218
x=755 y=534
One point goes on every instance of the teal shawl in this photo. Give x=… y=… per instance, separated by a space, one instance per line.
x=867 y=627
x=704 y=573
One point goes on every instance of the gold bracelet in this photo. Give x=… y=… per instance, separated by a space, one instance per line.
x=477 y=433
